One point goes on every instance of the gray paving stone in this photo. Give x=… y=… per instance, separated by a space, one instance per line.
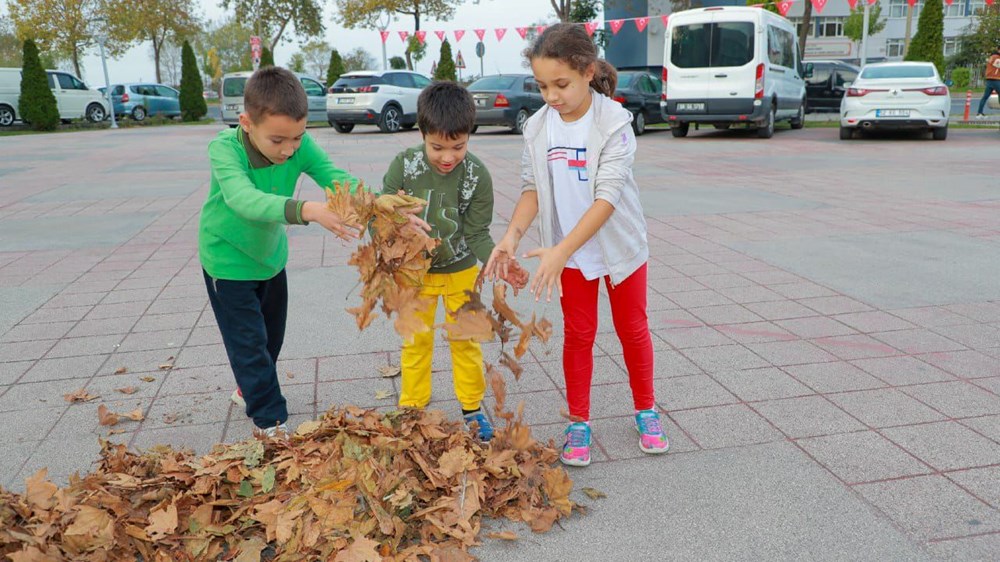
x=169 y=340
x=64 y=368
x=725 y=426
x=790 y=352
x=965 y=364
x=984 y=483
x=946 y=445
x=199 y=438
x=815 y=327
x=352 y=366
x=11 y=371
x=756 y=332
x=978 y=549
x=931 y=506
x=187 y=409
x=699 y=336
x=103 y=326
x=862 y=456
x=695 y=391
x=62 y=459
x=836 y=376
x=29 y=332
x=956 y=399
x=902 y=370
x=28 y=425
x=885 y=407
x=808 y=416
x=761 y=384
x=88 y=345
x=725 y=358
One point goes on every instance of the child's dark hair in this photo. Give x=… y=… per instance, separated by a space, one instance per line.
x=446 y=109
x=570 y=43
x=274 y=90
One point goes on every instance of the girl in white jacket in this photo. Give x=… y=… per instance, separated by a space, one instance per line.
x=577 y=172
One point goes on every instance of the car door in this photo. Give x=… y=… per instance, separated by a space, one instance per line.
x=655 y=115
x=72 y=97
x=650 y=98
x=419 y=83
x=842 y=79
x=818 y=86
x=169 y=99
x=534 y=94
x=408 y=93
x=317 y=99
x=151 y=99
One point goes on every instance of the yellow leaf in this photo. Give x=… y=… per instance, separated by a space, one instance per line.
x=250 y=549
x=307 y=427
x=593 y=494
x=40 y=491
x=361 y=550
x=503 y=535
x=162 y=523
x=135 y=415
x=92 y=528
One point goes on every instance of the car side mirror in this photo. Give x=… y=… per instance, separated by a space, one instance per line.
x=808 y=72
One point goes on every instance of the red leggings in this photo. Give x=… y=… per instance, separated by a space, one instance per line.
x=628 y=308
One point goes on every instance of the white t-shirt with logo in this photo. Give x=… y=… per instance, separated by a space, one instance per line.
x=567 y=163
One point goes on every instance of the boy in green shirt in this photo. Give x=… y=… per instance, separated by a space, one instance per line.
x=459 y=194
x=241 y=238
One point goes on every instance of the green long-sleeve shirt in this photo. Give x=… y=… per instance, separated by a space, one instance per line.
x=459 y=206
x=241 y=236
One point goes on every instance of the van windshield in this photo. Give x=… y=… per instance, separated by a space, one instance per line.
x=706 y=45
x=233 y=87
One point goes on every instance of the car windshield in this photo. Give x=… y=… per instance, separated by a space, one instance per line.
x=900 y=71
x=233 y=87
x=494 y=83
x=625 y=79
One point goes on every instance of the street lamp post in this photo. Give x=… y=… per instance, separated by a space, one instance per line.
x=864 y=34
x=101 y=37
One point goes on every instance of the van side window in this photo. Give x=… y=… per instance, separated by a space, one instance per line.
x=52 y=80
x=65 y=81
x=780 y=47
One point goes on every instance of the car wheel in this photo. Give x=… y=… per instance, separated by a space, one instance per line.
x=639 y=124
x=389 y=123
x=139 y=113
x=940 y=133
x=96 y=113
x=680 y=130
x=6 y=116
x=799 y=120
x=343 y=127
x=766 y=130
x=846 y=133
x=474 y=129
x=519 y=121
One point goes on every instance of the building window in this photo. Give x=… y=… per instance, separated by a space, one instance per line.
x=797 y=22
x=956 y=10
x=976 y=6
x=894 y=48
x=950 y=46
x=899 y=8
x=831 y=27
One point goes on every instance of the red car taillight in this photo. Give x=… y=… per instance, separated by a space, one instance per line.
x=663 y=93
x=124 y=98
x=501 y=101
x=368 y=89
x=859 y=92
x=758 y=87
x=935 y=91
x=619 y=99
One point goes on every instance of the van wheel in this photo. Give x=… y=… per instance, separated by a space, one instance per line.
x=139 y=113
x=846 y=133
x=639 y=124
x=766 y=129
x=390 y=121
x=96 y=113
x=940 y=133
x=342 y=127
x=6 y=116
x=680 y=130
x=799 y=120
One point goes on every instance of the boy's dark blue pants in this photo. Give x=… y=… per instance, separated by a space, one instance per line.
x=251 y=316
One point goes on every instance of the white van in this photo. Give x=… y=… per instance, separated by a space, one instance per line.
x=74 y=99
x=231 y=96
x=732 y=65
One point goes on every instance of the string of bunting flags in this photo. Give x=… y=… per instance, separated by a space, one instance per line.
x=616 y=25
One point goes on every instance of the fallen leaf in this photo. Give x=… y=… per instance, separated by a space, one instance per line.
x=105 y=416
x=593 y=494
x=390 y=371
x=169 y=418
x=79 y=395
x=166 y=366
x=115 y=431
x=382 y=394
x=148 y=379
x=162 y=523
x=39 y=491
x=290 y=375
x=267 y=482
x=135 y=415
x=121 y=371
x=128 y=389
x=361 y=550
x=250 y=550
x=502 y=535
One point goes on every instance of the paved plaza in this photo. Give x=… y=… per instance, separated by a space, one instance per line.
x=825 y=314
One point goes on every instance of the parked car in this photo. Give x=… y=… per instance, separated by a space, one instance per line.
x=73 y=98
x=231 y=96
x=141 y=100
x=507 y=100
x=732 y=65
x=896 y=95
x=384 y=98
x=828 y=83
x=639 y=92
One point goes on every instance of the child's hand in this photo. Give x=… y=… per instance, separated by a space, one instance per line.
x=498 y=266
x=317 y=212
x=415 y=222
x=517 y=276
x=549 y=273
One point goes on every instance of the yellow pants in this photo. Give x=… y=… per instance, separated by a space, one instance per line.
x=466 y=356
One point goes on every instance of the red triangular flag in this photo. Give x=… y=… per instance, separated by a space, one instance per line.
x=500 y=31
x=480 y=33
x=541 y=29
x=664 y=18
x=872 y=2
x=949 y=2
x=616 y=26
x=911 y=3
x=784 y=6
x=459 y=33
x=989 y=2
x=385 y=35
x=403 y=35
x=591 y=27
x=421 y=36
x=641 y=23
x=522 y=31
x=441 y=34
x=852 y=4
x=818 y=5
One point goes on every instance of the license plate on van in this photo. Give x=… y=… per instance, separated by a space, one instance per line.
x=345 y=101
x=690 y=107
x=892 y=113
x=233 y=107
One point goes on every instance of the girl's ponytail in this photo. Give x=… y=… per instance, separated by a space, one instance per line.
x=605 y=79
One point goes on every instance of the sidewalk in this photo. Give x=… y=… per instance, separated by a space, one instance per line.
x=826 y=324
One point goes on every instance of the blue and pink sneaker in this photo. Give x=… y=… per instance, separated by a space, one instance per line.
x=576 y=450
x=651 y=437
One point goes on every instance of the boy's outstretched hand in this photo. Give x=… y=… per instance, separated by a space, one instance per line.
x=515 y=275
x=313 y=211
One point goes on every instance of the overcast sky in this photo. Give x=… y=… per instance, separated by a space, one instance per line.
x=137 y=64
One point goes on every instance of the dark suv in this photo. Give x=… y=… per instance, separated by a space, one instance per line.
x=828 y=83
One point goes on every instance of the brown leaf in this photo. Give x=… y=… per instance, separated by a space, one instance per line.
x=121 y=371
x=128 y=389
x=511 y=364
x=79 y=395
x=361 y=550
x=470 y=325
x=92 y=529
x=169 y=418
x=162 y=523
x=500 y=305
x=503 y=535
x=105 y=416
x=250 y=550
x=135 y=415
x=593 y=493
x=390 y=371
x=39 y=491
x=166 y=366
x=148 y=379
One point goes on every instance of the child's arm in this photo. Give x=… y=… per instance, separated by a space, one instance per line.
x=320 y=168
x=392 y=183
x=242 y=196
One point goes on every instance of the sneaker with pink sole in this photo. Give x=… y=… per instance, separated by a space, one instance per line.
x=652 y=440
x=576 y=450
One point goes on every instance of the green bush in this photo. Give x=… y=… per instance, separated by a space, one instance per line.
x=37 y=104
x=928 y=43
x=266 y=57
x=961 y=77
x=446 y=66
x=193 y=106
x=335 y=69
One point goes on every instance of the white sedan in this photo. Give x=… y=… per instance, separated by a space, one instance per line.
x=896 y=95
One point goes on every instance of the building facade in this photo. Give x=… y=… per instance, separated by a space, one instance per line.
x=631 y=49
